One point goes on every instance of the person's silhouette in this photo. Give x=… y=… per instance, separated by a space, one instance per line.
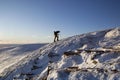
x=56 y=36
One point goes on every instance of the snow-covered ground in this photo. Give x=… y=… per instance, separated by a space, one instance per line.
x=90 y=56
x=12 y=54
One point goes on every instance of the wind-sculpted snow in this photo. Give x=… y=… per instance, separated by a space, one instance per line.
x=12 y=54
x=90 y=56
x=113 y=33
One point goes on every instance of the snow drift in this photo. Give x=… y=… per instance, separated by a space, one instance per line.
x=90 y=56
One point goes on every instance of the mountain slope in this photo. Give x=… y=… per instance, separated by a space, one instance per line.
x=91 y=56
x=12 y=54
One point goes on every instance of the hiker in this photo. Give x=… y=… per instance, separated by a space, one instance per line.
x=56 y=36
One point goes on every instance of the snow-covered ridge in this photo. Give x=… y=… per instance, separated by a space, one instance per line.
x=113 y=33
x=91 y=56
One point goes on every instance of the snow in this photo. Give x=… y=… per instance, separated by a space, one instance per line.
x=90 y=56
x=10 y=55
x=113 y=33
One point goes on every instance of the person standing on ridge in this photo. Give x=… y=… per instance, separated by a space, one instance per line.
x=56 y=36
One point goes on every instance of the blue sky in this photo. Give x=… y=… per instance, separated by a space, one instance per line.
x=33 y=21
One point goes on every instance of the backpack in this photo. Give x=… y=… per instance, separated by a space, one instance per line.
x=57 y=31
